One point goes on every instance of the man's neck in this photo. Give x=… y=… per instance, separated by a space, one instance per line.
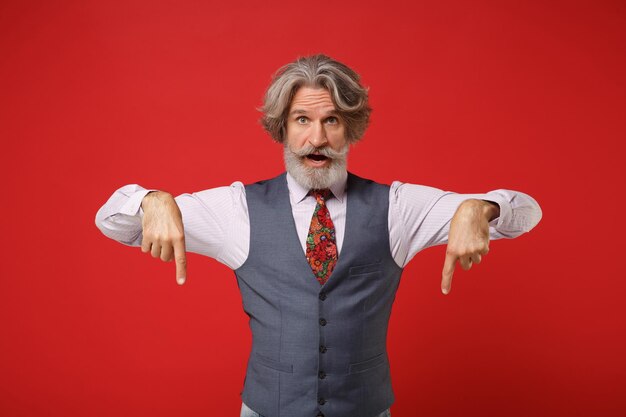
x=299 y=192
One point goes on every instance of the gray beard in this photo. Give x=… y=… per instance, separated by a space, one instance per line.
x=316 y=178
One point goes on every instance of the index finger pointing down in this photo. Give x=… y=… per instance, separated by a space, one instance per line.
x=181 y=262
x=448 y=271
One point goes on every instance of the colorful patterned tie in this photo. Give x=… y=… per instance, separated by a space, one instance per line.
x=321 y=249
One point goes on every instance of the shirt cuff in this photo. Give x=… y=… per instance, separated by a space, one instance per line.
x=132 y=206
x=506 y=212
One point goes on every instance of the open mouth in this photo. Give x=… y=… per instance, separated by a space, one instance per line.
x=316 y=158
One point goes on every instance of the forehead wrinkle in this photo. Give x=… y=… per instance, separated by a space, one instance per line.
x=309 y=99
x=330 y=112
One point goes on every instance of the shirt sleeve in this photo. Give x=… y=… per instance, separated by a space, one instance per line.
x=420 y=216
x=215 y=221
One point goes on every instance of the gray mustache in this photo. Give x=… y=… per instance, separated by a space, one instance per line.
x=326 y=151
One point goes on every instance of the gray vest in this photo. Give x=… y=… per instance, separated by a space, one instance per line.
x=318 y=350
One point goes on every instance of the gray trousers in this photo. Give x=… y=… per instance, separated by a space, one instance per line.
x=247 y=412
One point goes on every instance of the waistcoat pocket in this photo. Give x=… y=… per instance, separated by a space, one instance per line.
x=271 y=363
x=367 y=364
x=365 y=269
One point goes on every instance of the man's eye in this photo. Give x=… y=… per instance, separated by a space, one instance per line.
x=332 y=120
x=302 y=120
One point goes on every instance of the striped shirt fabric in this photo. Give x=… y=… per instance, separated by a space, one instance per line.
x=217 y=225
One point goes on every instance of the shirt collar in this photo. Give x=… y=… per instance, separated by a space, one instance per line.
x=298 y=193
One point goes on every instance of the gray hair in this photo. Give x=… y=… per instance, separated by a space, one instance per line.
x=347 y=94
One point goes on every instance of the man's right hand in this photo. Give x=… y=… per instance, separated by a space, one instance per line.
x=163 y=233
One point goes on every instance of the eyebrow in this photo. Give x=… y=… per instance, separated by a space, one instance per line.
x=302 y=111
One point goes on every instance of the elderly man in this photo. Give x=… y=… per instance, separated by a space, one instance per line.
x=317 y=251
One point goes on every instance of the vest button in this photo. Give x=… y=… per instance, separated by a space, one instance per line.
x=322 y=374
x=321 y=401
x=323 y=322
x=322 y=296
x=323 y=349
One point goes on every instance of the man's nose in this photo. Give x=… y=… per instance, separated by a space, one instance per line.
x=318 y=135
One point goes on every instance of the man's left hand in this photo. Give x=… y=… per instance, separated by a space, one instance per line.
x=468 y=238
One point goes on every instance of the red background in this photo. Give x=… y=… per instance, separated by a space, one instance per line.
x=467 y=96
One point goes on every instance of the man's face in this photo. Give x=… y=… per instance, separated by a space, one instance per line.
x=316 y=144
x=313 y=120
